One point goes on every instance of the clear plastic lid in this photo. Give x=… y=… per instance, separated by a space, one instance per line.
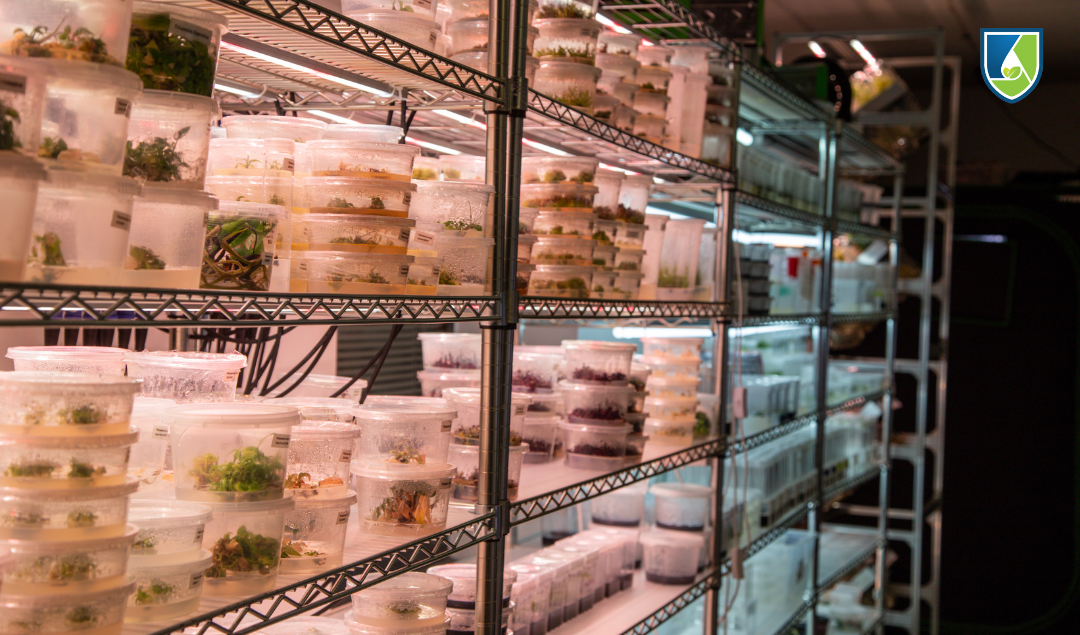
x=590 y=345
x=377 y=400
x=83 y=493
x=98 y=441
x=468 y=572
x=324 y=502
x=236 y=415
x=382 y=470
x=448 y=375
x=452 y=188
x=393 y=260
x=63 y=547
x=681 y=490
x=604 y=389
x=406 y=412
x=49 y=604
x=684 y=539
x=266 y=507
x=521 y=448
x=282 y=146
x=92 y=182
x=596 y=429
x=300 y=122
x=173 y=104
x=248 y=208
x=373 y=146
x=315 y=430
x=67 y=353
x=569 y=270
x=188 y=359
x=155 y=193
x=363 y=132
x=413 y=584
x=149 y=515
x=350 y=219
x=352 y=627
x=279 y=182
x=147 y=565
x=14 y=165
x=471 y=396
x=48 y=382
x=449 y=337
x=661 y=362
x=149 y=406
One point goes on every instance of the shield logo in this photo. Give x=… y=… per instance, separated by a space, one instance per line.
x=1011 y=61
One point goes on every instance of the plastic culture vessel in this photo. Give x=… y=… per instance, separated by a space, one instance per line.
x=679 y=369
x=639 y=378
x=558 y=197
x=535 y=372
x=563 y=281
x=319 y=456
x=244 y=540
x=560 y=250
x=372 y=133
x=468 y=35
x=186 y=377
x=332 y=272
x=634 y=198
x=654 y=56
x=652 y=78
x=532 y=597
x=652 y=103
x=539 y=436
x=65 y=613
x=349 y=233
x=416 y=29
x=525 y=247
x=323 y=386
x=598 y=362
x=459 y=351
x=352 y=195
x=396 y=500
x=425 y=169
x=569 y=83
x=465 y=264
x=461 y=207
x=463 y=595
x=170 y=532
x=466 y=427
x=299 y=129
x=424 y=7
x=412 y=434
x=65 y=463
x=240 y=244
x=408 y=601
x=671 y=558
x=616 y=285
x=165 y=591
x=230 y=452
x=624 y=507
x=570 y=38
x=707 y=421
x=671 y=408
x=314 y=538
x=466 y=458
x=462 y=168
x=65 y=514
x=309 y=626
x=681 y=506
x=545 y=169
x=650 y=127
x=684 y=348
x=625 y=118
x=678 y=432
x=624 y=66
x=274 y=158
x=564 y=224
x=626 y=258
x=595 y=447
x=252 y=189
x=433 y=382
x=524 y=275
x=147 y=460
x=604 y=107
x=94 y=31
x=604 y=235
x=19 y=178
x=80 y=228
x=545 y=404
x=478 y=60
x=69 y=405
x=679 y=259
x=595 y=404
x=612 y=84
x=175 y=48
x=98 y=360
x=165 y=244
x=72 y=567
x=606 y=201
x=317 y=408
x=362 y=159
x=463 y=621
x=660 y=386
x=22 y=108
x=614 y=43
x=168 y=139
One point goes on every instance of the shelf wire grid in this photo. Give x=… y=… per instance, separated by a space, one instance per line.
x=541 y=308
x=685 y=599
x=666 y=20
x=737 y=446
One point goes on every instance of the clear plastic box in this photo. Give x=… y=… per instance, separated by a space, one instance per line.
x=605 y=107
x=175 y=48
x=680 y=369
x=22 y=109
x=624 y=507
x=539 y=435
x=594 y=403
x=165 y=244
x=65 y=514
x=373 y=133
x=468 y=36
x=71 y=567
x=458 y=351
x=80 y=229
x=19 y=178
x=570 y=83
x=404 y=434
x=524 y=249
x=98 y=360
x=671 y=408
x=64 y=613
x=670 y=432
x=362 y=159
x=679 y=256
x=461 y=207
x=425 y=169
x=463 y=595
x=408 y=601
x=64 y=462
x=414 y=28
x=186 y=377
x=333 y=272
x=465 y=264
x=624 y=66
x=168 y=139
x=595 y=447
x=616 y=285
x=604 y=235
x=53 y=404
x=320 y=453
x=314 y=538
x=598 y=362
x=670 y=557
x=650 y=127
x=563 y=281
x=614 y=43
x=532 y=596
x=555 y=197
x=563 y=224
x=546 y=169
x=299 y=129
x=147 y=460
x=462 y=168
x=466 y=458
x=679 y=348
x=252 y=189
x=170 y=531
x=231 y=260
x=682 y=506
x=264 y=158
x=545 y=404
x=654 y=56
x=433 y=382
x=664 y=386
x=401 y=500
x=570 y=39
x=351 y=195
x=651 y=103
x=524 y=275
x=352 y=233
x=535 y=372
x=91 y=30
x=559 y=250
x=257 y=528
x=466 y=427
x=612 y=84
x=165 y=591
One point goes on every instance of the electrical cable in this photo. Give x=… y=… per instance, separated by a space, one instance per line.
x=320 y=347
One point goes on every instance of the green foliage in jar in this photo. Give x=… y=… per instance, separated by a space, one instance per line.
x=601 y=237
x=79 y=520
x=63 y=42
x=424 y=174
x=156 y=160
x=579 y=52
x=145 y=258
x=447 y=277
x=35 y=469
x=246 y=552
x=276 y=200
x=409 y=503
x=247 y=163
x=82 y=616
x=576 y=98
x=701 y=425
x=564 y=10
x=233 y=254
x=166 y=61
x=559 y=202
x=554 y=176
x=450 y=174
x=462 y=225
x=672 y=279
x=84 y=470
x=8 y=117
x=74 y=568
x=52 y=148
x=338 y=201
x=249 y=471
x=376 y=203
x=156 y=593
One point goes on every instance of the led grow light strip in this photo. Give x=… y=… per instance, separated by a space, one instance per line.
x=608 y=22
x=297 y=63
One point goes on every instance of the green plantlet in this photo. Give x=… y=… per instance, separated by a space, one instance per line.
x=554 y=176
x=671 y=279
x=8 y=117
x=576 y=98
x=583 y=177
x=62 y=42
x=82 y=615
x=76 y=568
x=601 y=237
x=156 y=160
x=447 y=277
x=648 y=86
x=247 y=163
x=77 y=520
x=84 y=470
x=233 y=254
x=409 y=503
x=143 y=545
x=276 y=200
x=602 y=114
x=145 y=258
x=51 y=148
x=82 y=415
x=557 y=230
x=376 y=203
x=424 y=174
x=581 y=53
x=166 y=61
x=450 y=174
x=246 y=552
x=462 y=225
x=249 y=471
x=339 y=202
x=40 y=469
x=564 y=10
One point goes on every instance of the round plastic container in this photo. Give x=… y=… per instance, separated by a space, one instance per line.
x=463 y=595
x=401 y=500
x=535 y=372
x=562 y=281
x=595 y=447
x=64 y=462
x=465 y=264
x=547 y=169
x=175 y=48
x=679 y=369
x=410 y=434
x=605 y=107
x=555 y=197
x=672 y=409
x=77 y=566
x=524 y=248
x=650 y=127
x=468 y=35
x=598 y=362
x=539 y=437
x=362 y=159
x=310 y=626
x=671 y=558
x=416 y=29
x=639 y=378
x=456 y=206
x=314 y=538
x=65 y=613
x=627 y=259
x=433 y=382
x=523 y=276
x=466 y=458
x=604 y=235
x=165 y=591
x=64 y=514
x=244 y=540
x=616 y=285
x=22 y=112
x=165 y=244
x=333 y=272
x=651 y=103
x=562 y=250
x=564 y=224
x=624 y=507
x=654 y=56
x=298 y=129
x=93 y=31
x=230 y=452
x=410 y=600
x=630 y=236
x=319 y=456
x=322 y=386
x=545 y=404
x=463 y=621
x=622 y=66
x=459 y=351
x=614 y=43
x=264 y=158
x=355 y=628
x=672 y=386
x=526 y=219
x=147 y=459
x=463 y=167
x=567 y=39
x=372 y=133
x=685 y=348
x=98 y=360
x=351 y=233
x=170 y=532
x=669 y=432
x=186 y=377
x=80 y=228
x=230 y=260
x=352 y=195
x=317 y=408
x=570 y=83
x=466 y=427
x=68 y=405
x=19 y=178
x=681 y=506
x=168 y=139
x=597 y=404
x=621 y=88
x=425 y=169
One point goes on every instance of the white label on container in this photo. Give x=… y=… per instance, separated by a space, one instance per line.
x=123 y=107
x=198 y=536
x=196 y=580
x=190 y=31
x=424 y=238
x=403 y=270
x=121 y=220
x=587 y=33
x=433 y=38
x=161 y=432
x=281 y=442
x=343 y=517
x=633 y=233
x=435 y=271
x=289 y=164
x=230 y=377
x=11 y=83
x=406 y=198
x=446 y=425
x=267 y=258
x=127 y=454
x=519 y=411
x=346 y=456
x=302 y=266
x=403 y=235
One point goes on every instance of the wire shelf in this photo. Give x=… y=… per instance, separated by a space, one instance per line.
x=794 y=319
x=837 y=490
x=853 y=565
x=855 y=403
x=665 y=20
x=536 y=307
x=768 y=436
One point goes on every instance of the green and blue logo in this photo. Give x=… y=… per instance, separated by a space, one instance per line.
x=1011 y=61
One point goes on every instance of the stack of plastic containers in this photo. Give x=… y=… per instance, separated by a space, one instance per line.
x=536 y=373
x=651 y=100
x=64 y=445
x=596 y=397
x=677 y=272
x=411 y=21
x=168 y=562
x=616 y=57
x=672 y=386
x=451 y=360
x=465 y=435
x=461 y=603
x=566 y=48
x=449 y=241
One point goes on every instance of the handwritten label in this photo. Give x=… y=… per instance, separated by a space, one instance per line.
x=446 y=425
x=403 y=270
x=230 y=377
x=281 y=442
x=435 y=271
x=123 y=107
x=198 y=536
x=519 y=411
x=346 y=456
x=161 y=432
x=422 y=4
x=190 y=31
x=406 y=198
x=423 y=238
x=11 y=83
x=196 y=580
x=343 y=517
x=633 y=234
x=267 y=259
x=121 y=220
x=403 y=235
